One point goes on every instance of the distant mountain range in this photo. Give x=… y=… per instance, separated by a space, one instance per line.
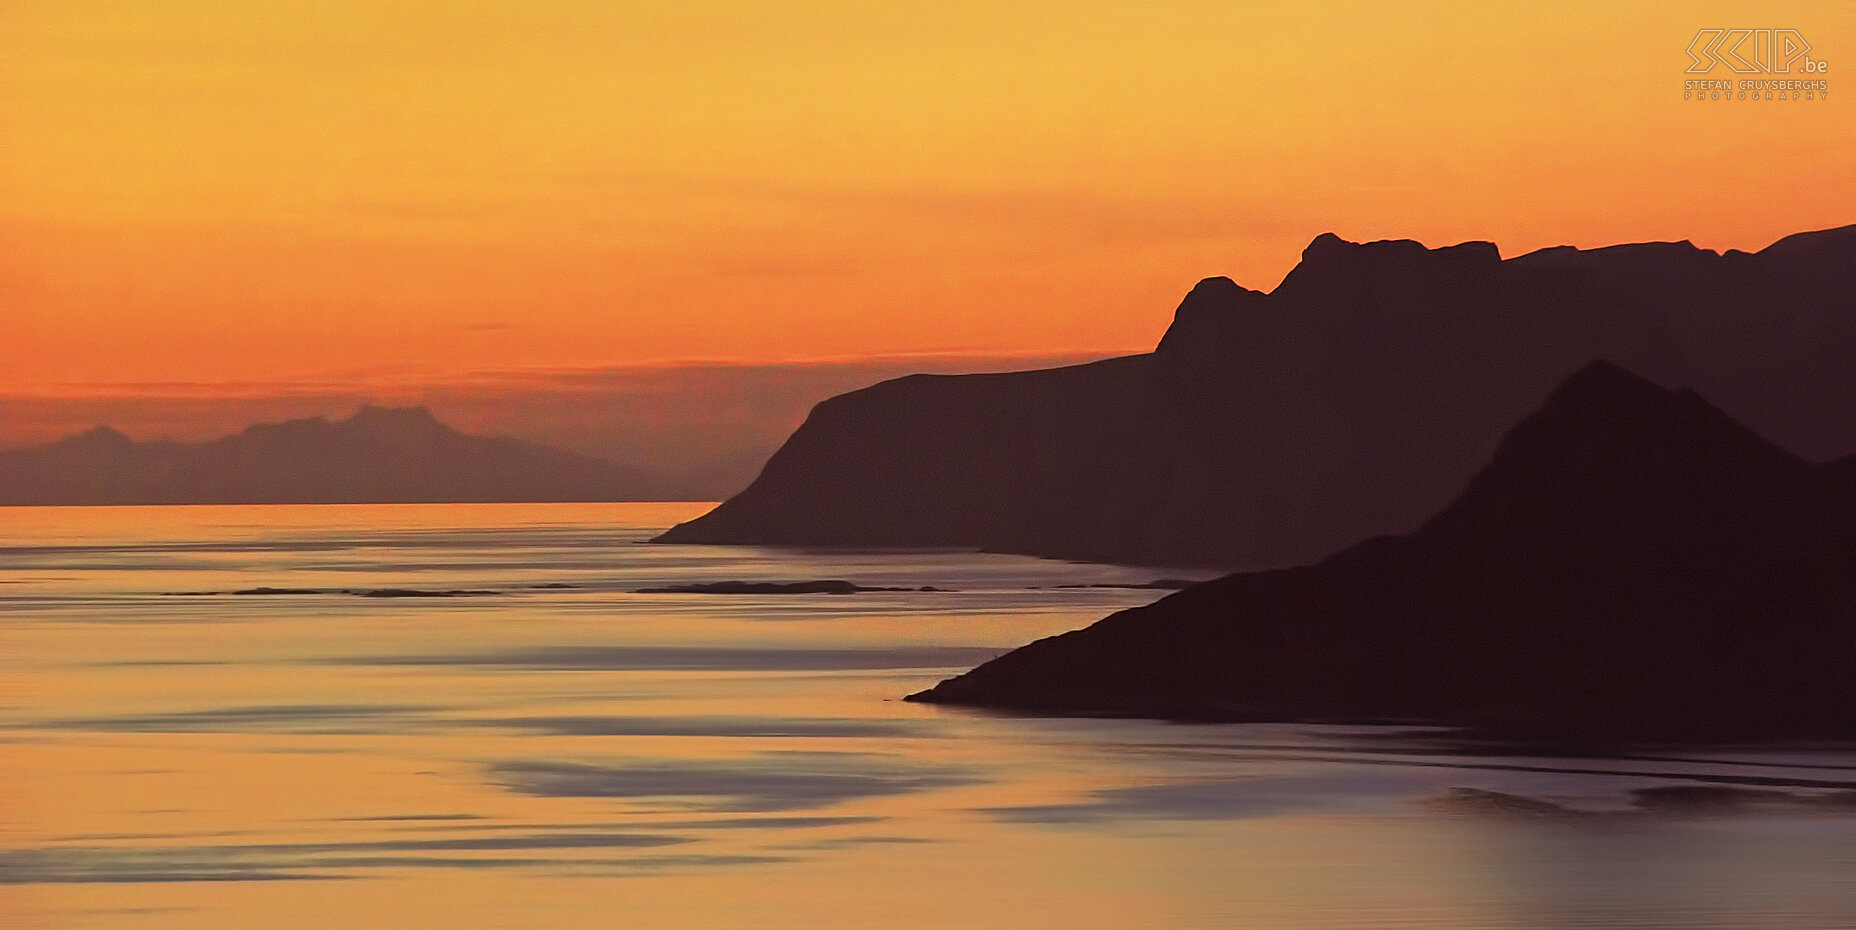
x=1631 y=565
x=380 y=455
x=1351 y=401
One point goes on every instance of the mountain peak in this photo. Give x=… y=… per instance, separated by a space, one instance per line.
x=1633 y=564
x=1603 y=410
x=370 y=416
x=1210 y=308
x=378 y=455
x=1213 y=288
x=1329 y=246
x=1326 y=244
x=1330 y=261
x=100 y=437
x=1603 y=384
x=1212 y=295
x=103 y=433
x=1612 y=456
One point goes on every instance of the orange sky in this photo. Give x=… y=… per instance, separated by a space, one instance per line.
x=220 y=190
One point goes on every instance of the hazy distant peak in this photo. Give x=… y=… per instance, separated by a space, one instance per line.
x=101 y=437
x=315 y=425
x=419 y=411
x=369 y=418
x=378 y=455
x=398 y=416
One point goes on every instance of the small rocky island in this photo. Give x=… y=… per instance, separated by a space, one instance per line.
x=830 y=586
x=1632 y=565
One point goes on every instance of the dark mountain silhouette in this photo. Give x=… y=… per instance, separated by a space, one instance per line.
x=1352 y=401
x=380 y=455
x=1631 y=564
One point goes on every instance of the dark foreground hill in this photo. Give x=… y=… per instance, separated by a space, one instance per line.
x=380 y=455
x=1352 y=401
x=1632 y=564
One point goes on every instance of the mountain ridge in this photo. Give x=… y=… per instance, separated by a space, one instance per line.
x=1270 y=429
x=378 y=455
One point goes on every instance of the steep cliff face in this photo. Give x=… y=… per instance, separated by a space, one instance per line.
x=940 y=460
x=1631 y=564
x=1352 y=401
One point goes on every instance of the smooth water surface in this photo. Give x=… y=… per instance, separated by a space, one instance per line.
x=556 y=751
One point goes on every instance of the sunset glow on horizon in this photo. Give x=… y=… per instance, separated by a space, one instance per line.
x=924 y=464
x=211 y=191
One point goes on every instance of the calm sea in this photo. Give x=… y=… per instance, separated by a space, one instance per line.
x=557 y=751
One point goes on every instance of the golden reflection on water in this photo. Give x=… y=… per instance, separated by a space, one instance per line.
x=586 y=756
